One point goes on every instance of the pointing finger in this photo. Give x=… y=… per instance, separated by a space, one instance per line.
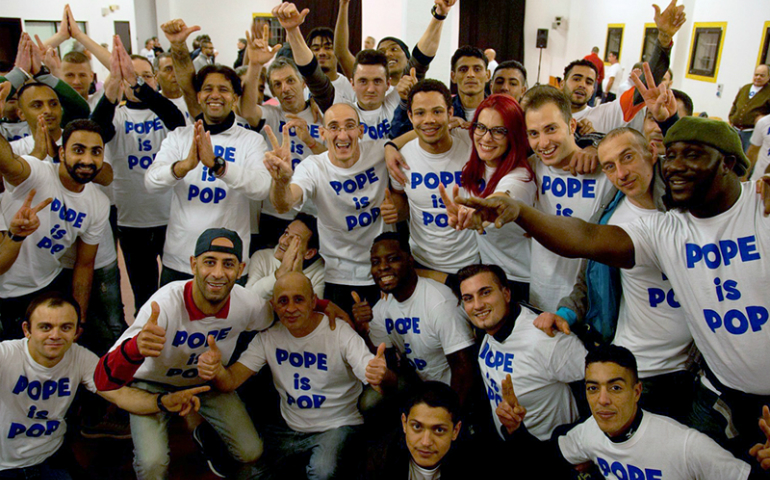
x=508 y=394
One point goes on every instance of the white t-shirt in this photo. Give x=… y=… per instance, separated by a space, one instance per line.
x=36 y=399
x=761 y=139
x=661 y=449
x=343 y=90
x=719 y=269
x=507 y=247
x=318 y=376
x=425 y=328
x=377 y=121
x=276 y=118
x=93 y=99
x=262 y=268
x=651 y=321
x=563 y=194
x=434 y=243
x=182 y=106
x=348 y=202
x=12 y=131
x=607 y=116
x=138 y=136
x=71 y=215
x=613 y=71
x=187 y=330
x=200 y=200
x=540 y=367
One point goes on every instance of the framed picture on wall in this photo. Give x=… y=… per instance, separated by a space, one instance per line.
x=277 y=33
x=648 y=42
x=706 y=51
x=764 y=48
x=614 y=40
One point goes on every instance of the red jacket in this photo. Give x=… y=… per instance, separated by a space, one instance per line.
x=594 y=58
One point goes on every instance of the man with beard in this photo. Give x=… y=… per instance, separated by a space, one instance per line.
x=713 y=247
x=78 y=216
x=420 y=320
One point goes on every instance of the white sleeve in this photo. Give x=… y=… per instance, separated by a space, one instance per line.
x=518 y=184
x=571 y=445
x=87 y=361
x=305 y=177
x=453 y=331
x=261 y=315
x=261 y=274
x=377 y=332
x=252 y=178
x=3 y=224
x=706 y=459
x=354 y=350
x=644 y=235
x=96 y=229
x=567 y=359
x=255 y=356
x=159 y=176
x=760 y=130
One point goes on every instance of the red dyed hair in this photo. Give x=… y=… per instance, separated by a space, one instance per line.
x=514 y=157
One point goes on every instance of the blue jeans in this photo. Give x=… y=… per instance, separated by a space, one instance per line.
x=224 y=411
x=326 y=450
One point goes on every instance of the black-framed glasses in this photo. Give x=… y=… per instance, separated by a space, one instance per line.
x=498 y=133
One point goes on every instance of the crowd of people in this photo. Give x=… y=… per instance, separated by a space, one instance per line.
x=569 y=279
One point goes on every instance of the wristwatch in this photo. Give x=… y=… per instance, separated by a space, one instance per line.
x=219 y=166
x=15 y=238
x=139 y=82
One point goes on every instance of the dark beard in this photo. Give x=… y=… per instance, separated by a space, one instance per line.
x=79 y=178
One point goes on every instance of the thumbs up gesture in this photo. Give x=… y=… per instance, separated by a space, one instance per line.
x=388 y=209
x=377 y=369
x=406 y=83
x=151 y=339
x=509 y=411
x=762 y=451
x=210 y=362
x=362 y=311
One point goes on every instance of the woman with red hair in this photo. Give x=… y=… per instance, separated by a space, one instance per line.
x=499 y=166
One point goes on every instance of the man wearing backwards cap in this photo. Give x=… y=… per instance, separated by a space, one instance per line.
x=714 y=246
x=160 y=351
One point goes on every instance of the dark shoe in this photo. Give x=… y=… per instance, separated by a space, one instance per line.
x=110 y=426
x=213 y=449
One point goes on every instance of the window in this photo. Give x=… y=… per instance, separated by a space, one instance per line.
x=46 y=30
x=706 y=51
x=277 y=33
x=614 y=40
x=648 y=44
x=764 y=49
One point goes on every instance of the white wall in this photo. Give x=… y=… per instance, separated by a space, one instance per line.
x=586 y=26
x=146 y=21
x=224 y=20
x=100 y=28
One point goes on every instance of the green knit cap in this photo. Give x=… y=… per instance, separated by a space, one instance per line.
x=714 y=133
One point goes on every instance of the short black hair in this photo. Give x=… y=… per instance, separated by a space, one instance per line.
x=51 y=299
x=608 y=353
x=81 y=124
x=511 y=64
x=686 y=100
x=468 y=51
x=429 y=85
x=323 y=32
x=541 y=95
x=228 y=73
x=312 y=224
x=580 y=63
x=33 y=84
x=435 y=395
x=403 y=240
x=498 y=275
x=371 y=57
x=142 y=57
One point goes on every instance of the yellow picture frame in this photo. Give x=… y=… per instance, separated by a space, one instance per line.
x=704 y=25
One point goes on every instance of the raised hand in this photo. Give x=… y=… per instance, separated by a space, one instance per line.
x=551 y=323
x=258 y=46
x=388 y=209
x=24 y=54
x=288 y=15
x=500 y=209
x=659 y=99
x=25 y=221
x=460 y=217
x=5 y=90
x=362 y=311
x=152 y=338
x=377 y=369
x=44 y=147
x=509 y=411
x=278 y=160
x=406 y=83
x=74 y=29
x=205 y=148
x=52 y=61
x=126 y=64
x=183 y=167
x=210 y=362
x=444 y=6
x=177 y=32
x=292 y=259
x=37 y=55
x=184 y=401
x=669 y=21
x=761 y=451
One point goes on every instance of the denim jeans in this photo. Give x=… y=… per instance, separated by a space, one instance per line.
x=326 y=450
x=141 y=249
x=42 y=471
x=224 y=411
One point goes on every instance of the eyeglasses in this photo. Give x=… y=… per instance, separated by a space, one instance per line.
x=338 y=128
x=498 y=133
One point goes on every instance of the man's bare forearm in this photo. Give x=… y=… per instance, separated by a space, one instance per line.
x=281 y=196
x=184 y=70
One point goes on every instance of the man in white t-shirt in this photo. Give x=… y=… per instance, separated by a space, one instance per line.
x=347 y=184
x=436 y=157
x=78 y=216
x=540 y=367
x=625 y=441
x=712 y=245
x=318 y=373
x=321 y=42
x=759 y=148
x=39 y=380
x=613 y=76
x=419 y=318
